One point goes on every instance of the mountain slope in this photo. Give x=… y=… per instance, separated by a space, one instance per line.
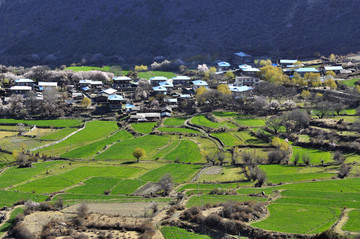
x=40 y=31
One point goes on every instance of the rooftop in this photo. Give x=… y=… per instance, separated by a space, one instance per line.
x=285 y=61
x=181 y=78
x=121 y=78
x=306 y=70
x=17 y=87
x=48 y=84
x=161 y=78
x=200 y=83
x=24 y=81
x=115 y=97
x=334 y=68
x=109 y=91
x=223 y=64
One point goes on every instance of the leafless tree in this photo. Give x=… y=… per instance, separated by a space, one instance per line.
x=166 y=183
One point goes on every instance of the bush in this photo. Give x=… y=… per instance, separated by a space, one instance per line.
x=338 y=157
x=82 y=210
x=306 y=158
x=213 y=220
x=21 y=232
x=344 y=170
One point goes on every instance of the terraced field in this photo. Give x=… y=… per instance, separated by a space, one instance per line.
x=203 y=121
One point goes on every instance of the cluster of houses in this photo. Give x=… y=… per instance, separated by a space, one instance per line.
x=119 y=96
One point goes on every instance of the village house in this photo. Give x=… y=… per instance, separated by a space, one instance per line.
x=199 y=83
x=21 y=90
x=303 y=71
x=335 y=69
x=122 y=82
x=96 y=84
x=181 y=80
x=160 y=90
x=248 y=70
x=155 y=81
x=115 y=101
x=246 y=81
x=240 y=91
x=47 y=85
x=24 y=82
x=223 y=66
x=168 y=85
x=144 y=117
x=284 y=62
x=84 y=83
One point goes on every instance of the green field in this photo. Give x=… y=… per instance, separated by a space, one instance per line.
x=186 y=152
x=178 y=130
x=350 y=83
x=227 y=114
x=203 y=121
x=149 y=74
x=175 y=121
x=144 y=128
x=250 y=122
x=228 y=139
x=237 y=138
x=124 y=150
x=352 y=225
x=54 y=123
x=91 y=149
x=7 y=198
x=127 y=187
x=316 y=156
x=227 y=174
x=7 y=178
x=58 y=134
x=180 y=172
x=58 y=182
x=204 y=199
x=179 y=233
x=304 y=219
x=96 y=185
x=94 y=130
x=281 y=173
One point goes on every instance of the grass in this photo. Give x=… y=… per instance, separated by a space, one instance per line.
x=58 y=182
x=204 y=199
x=211 y=186
x=227 y=114
x=350 y=82
x=352 y=225
x=96 y=185
x=316 y=156
x=58 y=134
x=86 y=136
x=8 y=179
x=281 y=173
x=144 y=128
x=178 y=130
x=149 y=74
x=4 y=134
x=6 y=226
x=186 y=152
x=17 y=143
x=91 y=149
x=203 y=121
x=304 y=219
x=127 y=186
x=175 y=121
x=62 y=123
x=228 y=139
x=124 y=150
x=226 y=175
x=250 y=122
x=88 y=68
x=8 y=198
x=179 y=233
x=171 y=146
x=179 y=172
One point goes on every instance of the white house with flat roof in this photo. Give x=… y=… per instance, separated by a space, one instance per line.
x=155 y=81
x=44 y=85
x=335 y=69
x=122 y=82
x=181 y=80
x=199 y=83
x=17 y=89
x=24 y=82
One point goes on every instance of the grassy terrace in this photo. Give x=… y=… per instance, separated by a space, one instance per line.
x=48 y=123
x=178 y=130
x=186 y=152
x=175 y=121
x=91 y=149
x=86 y=136
x=203 y=121
x=124 y=150
x=179 y=233
x=144 y=128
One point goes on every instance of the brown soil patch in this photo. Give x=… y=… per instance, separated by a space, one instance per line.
x=213 y=170
x=123 y=209
x=37 y=220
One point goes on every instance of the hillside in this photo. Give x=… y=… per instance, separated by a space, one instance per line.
x=110 y=31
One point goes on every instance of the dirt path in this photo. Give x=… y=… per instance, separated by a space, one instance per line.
x=59 y=141
x=344 y=218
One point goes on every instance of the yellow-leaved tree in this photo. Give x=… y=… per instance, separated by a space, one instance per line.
x=224 y=89
x=138 y=153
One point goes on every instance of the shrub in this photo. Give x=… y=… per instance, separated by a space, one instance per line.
x=306 y=158
x=344 y=170
x=213 y=220
x=21 y=232
x=82 y=210
x=296 y=158
x=338 y=157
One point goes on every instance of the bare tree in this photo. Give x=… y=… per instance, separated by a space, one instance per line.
x=166 y=183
